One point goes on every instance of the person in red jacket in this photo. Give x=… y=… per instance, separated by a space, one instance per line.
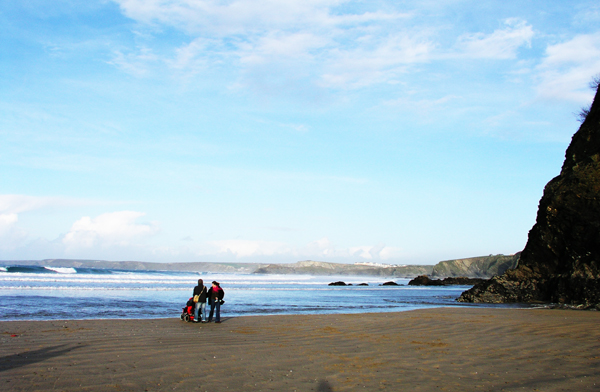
x=215 y=298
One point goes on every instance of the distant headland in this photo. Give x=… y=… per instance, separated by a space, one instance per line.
x=474 y=267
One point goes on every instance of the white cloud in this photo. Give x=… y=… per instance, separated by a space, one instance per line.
x=134 y=63
x=324 y=249
x=107 y=230
x=255 y=34
x=248 y=248
x=501 y=44
x=11 y=236
x=6 y=222
x=242 y=16
x=190 y=56
x=321 y=249
x=375 y=60
x=12 y=206
x=280 y=46
x=377 y=252
x=390 y=253
x=568 y=67
x=423 y=106
x=362 y=251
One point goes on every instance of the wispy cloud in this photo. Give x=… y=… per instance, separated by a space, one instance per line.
x=254 y=34
x=242 y=16
x=280 y=46
x=501 y=44
x=375 y=60
x=134 y=63
x=423 y=106
x=16 y=204
x=567 y=68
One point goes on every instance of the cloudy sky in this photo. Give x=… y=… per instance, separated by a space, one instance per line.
x=283 y=130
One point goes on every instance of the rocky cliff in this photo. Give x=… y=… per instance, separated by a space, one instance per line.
x=475 y=267
x=561 y=261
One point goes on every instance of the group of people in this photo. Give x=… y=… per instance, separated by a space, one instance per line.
x=215 y=298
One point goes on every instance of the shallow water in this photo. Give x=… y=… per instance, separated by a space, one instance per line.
x=38 y=293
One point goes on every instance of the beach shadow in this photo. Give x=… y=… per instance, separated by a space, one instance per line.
x=223 y=320
x=28 y=357
x=324 y=386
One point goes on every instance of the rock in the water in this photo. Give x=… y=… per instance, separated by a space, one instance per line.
x=424 y=280
x=390 y=284
x=561 y=261
x=340 y=283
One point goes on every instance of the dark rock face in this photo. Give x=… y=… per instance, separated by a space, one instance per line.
x=340 y=283
x=390 y=284
x=561 y=261
x=424 y=280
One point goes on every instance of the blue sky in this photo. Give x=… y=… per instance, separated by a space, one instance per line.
x=400 y=132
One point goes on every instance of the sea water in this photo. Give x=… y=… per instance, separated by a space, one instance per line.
x=49 y=293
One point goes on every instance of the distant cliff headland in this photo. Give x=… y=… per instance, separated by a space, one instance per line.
x=475 y=267
x=324 y=269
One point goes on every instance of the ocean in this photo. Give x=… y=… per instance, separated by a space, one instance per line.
x=50 y=293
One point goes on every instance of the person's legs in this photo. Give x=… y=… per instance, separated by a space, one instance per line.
x=212 y=309
x=196 y=311
x=203 y=311
x=218 y=309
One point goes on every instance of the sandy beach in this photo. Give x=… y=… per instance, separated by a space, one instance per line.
x=451 y=349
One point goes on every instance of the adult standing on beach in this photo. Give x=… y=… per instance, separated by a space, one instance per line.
x=201 y=293
x=215 y=296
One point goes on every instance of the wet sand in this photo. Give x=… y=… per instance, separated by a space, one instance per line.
x=451 y=349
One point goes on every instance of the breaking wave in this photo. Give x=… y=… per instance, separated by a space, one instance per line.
x=62 y=270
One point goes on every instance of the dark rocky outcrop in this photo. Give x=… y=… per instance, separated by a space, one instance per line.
x=561 y=261
x=390 y=284
x=424 y=280
x=340 y=283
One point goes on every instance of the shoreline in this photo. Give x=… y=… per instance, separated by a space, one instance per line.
x=223 y=315
x=450 y=348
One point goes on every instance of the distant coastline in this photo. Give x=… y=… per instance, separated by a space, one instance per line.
x=479 y=267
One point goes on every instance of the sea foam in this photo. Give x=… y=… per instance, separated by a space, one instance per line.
x=62 y=270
